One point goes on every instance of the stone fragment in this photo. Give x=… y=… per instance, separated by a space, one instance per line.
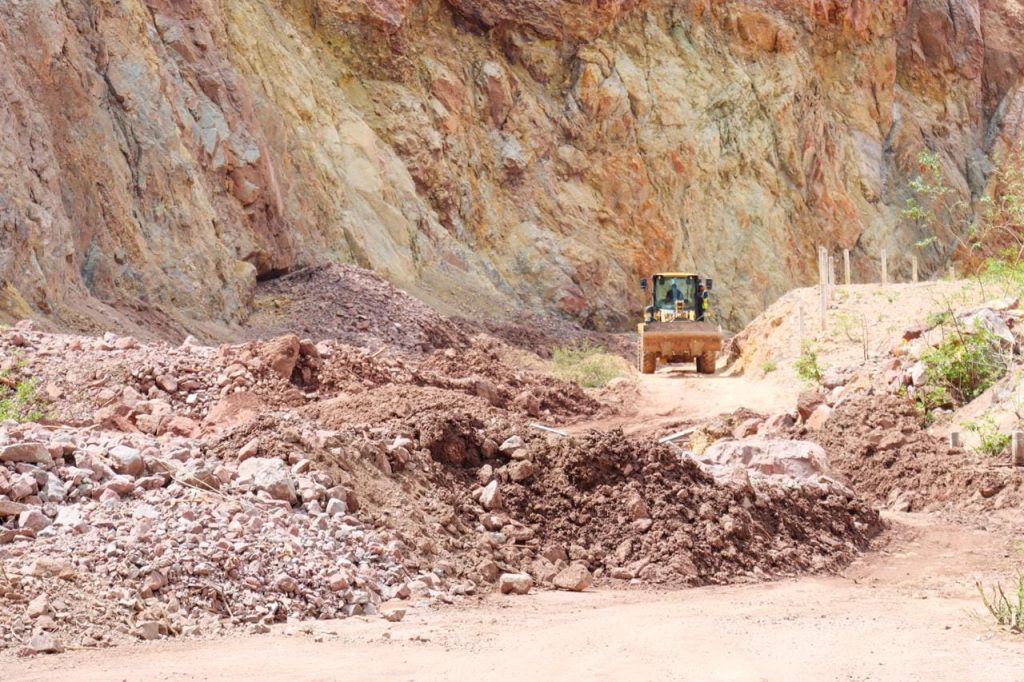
x=31 y=453
x=126 y=460
x=167 y=383
x=515 y=583
x=281 y=355
x=636 y=507
x=918 y=374
x=45 y=643
x=33 y=519
x=147 y=630
x=250 y=449
x=10 y=508
x=393 y=615
x=575 y=577
x=490 y=498
x=270 y=475
x=489 y=570
x=43 y=567
x=39 y=606
x=521 y=470
x=336 y=507
x=807 y=401
x=511 y=444
x=818 y=417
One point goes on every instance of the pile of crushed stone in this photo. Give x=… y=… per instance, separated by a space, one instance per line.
x=352 y=305
x=107 y=537
x=878 y=444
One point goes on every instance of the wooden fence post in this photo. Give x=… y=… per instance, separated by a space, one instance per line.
x=823 y=284
x=1017 y=448
x=885 y=269
x=846 y=265
x=913 y=268
x=954 y=439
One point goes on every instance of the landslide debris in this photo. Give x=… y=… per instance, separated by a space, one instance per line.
x=879 y=445
x=628 y=507
x=186 y=491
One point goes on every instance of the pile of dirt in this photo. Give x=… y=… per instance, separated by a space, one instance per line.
x=878 y=444
x=542 y=335
x=352 y=305
x=629 y=508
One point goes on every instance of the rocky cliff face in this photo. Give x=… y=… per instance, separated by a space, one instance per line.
x=160 y=156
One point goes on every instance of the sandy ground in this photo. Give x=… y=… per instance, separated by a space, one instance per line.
x=903 y=613
x=677 y=396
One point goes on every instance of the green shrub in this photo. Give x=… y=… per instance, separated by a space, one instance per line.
x=806 y=365
x=930 y=398
x=20 y=402
x=938 y=319
x=588 y=366
x=769 y=366
x=992 y=441
x=965 y=365
x=1007 y=611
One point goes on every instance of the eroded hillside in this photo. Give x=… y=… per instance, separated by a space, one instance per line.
x=158 y=157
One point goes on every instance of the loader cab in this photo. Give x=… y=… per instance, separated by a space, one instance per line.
x=673 y=296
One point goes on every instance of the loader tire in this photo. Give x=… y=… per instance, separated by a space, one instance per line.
x=706 y=362
x=646 y=363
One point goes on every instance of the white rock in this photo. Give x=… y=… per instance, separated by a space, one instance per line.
x=511 y=444
x=575 y=578
x=515 y=583
x=490 y=498
x=270 y=475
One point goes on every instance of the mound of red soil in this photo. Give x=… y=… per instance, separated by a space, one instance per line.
x=634 y=508
x=878 y=444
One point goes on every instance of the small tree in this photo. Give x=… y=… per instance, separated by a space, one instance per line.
x=934 y=208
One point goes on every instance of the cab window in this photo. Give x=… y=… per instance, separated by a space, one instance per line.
x=667 y=290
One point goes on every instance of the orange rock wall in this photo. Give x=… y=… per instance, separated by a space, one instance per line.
x=158 y=156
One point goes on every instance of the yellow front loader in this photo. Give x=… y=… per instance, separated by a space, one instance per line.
x=677 y=324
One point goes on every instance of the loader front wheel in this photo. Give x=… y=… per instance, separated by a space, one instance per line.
x=706 y=362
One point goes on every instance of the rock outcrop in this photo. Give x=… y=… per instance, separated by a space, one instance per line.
x=159 y=157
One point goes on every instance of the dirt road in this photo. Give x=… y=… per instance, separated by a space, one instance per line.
x=676 y=395
x=901 y=614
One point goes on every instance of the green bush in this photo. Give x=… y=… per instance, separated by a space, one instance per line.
x=588 y=366
x=769 y=366
x=965 y=365
x=806 y=365
x=1007 y=611
x=992 y=441
x=20 y=402
x=930 y=398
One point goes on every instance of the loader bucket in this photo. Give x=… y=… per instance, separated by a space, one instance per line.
x=679 y=341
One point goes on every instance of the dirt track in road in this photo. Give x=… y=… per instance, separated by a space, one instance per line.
x=676 y=396
x=906 y=613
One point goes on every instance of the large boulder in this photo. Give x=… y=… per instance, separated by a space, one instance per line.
x=772 y=457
